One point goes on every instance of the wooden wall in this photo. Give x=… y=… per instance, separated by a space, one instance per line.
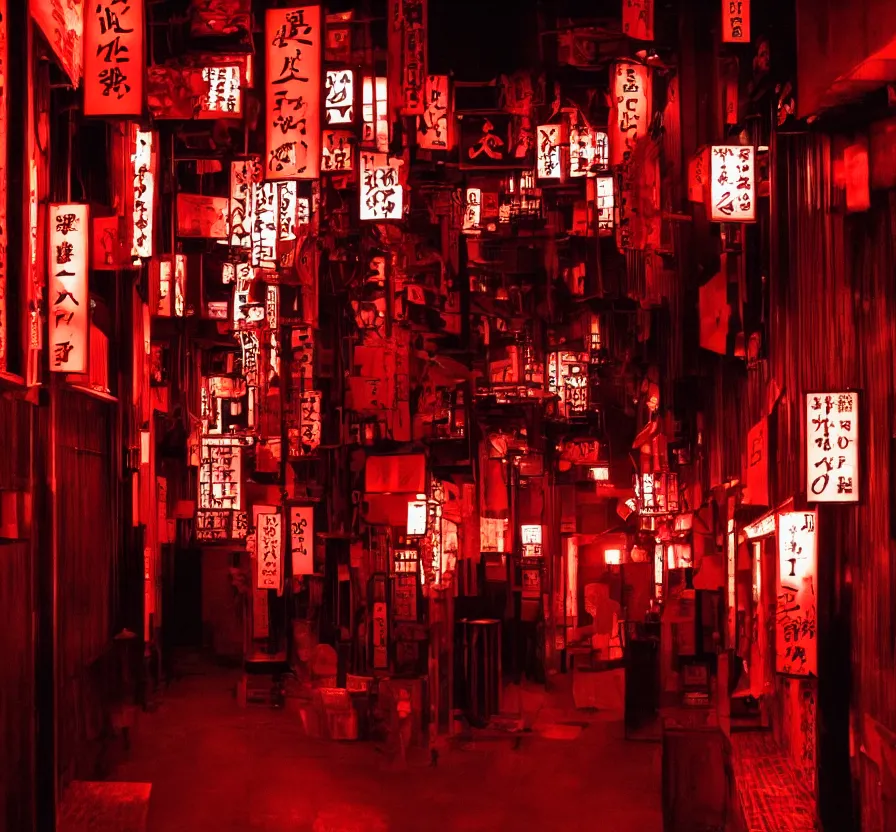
x=16 y=631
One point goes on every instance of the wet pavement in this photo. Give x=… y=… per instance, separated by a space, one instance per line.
x=214 y=766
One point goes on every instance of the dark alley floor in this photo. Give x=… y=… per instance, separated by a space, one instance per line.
x=216 y=767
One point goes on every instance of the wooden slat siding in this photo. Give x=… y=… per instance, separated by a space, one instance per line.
x=15 y=443
x=16 y=687
x=88 y=535
x=834 y=327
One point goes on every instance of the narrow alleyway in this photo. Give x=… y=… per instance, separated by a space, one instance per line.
x=216 y=767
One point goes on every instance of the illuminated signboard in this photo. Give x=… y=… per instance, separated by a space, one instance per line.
x=548 y=138
x=293 y=39
x=337 y=151
x=637 y=19
x=434 y=125
x=832 y=449
x=531 y=539
x=62 y=22
x=404 y=561
x=381 y=193
x=657 y=493
x=301 y=539
x=245 y=174
x=417 y=516
x=605 y=204
x=305 y=438
x=735 y=21
x=69 y=297
x=211 y=526
x=472 y=210
x=796 y=637
x=733 y=184
x=339 y=104
x=568 y=380
x=413 y=53
x=630 y=117
x=113 y=58
x=268 y=537
x=375 y=111
x=223 y=96
x=220 y=471
x=144 y=195
x=587 y=149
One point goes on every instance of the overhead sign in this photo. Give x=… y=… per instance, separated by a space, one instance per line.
x=832 y=447
x=293 y=92
x=114 y=62
x=62 y=22
x=735 y=21
x=69 y=295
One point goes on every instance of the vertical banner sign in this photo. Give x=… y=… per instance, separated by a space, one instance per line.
x=223 y=96
x=269 y=552
x=735 y=21
x=69 y=297
x=434 y=126
x=293 y=39
x=380 y=636
x=796 y=639
x=381 y=193
x=733 y=184
x=756 y=478
x=581 y=150
x=548 y=140
x=62 y=22
x=832 y=447
x=144 y=195
x=631 y=110
x=413 y=70
x=301 y=531
x=4 y=120
x=245 y=174
x=339 y=103
x=113 y=58
x=637 y=19
x=605 y=205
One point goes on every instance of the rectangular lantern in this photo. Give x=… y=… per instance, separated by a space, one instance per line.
x=223 y=97
x=832 y=447
x=301 y=539
x=293 y=99
x=630 y=110
x=434 y=125
x=144 y=195
x=69 y=294
x=220 y=473
x=735 y=21
x=381 y=193
x=796 y=636
x=549 y=138
x=605 y=204
x=588 y=149
x=337 y=151
x=637 y=19
x=339 y=104
x=268 y=543
x=113 y=58
x=245 y=174
x=472 y=210
x=733 y=184
x=417 y=514
x=375 y=109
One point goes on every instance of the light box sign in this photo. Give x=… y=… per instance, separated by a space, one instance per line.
x=69 y=296
x=245 y=174
x=269 y=552
x=434 y=125
x=62 y=22
x=375 y=111
x=220 y=473
x=735 y=21
x=113 y=58
x=472 y=210
x=293 y=95
x=832 y=447
x=301 y=539
x=144 y=195
x=381 y=192
x=582 y=151
x=223 y=97
x=549 y=138
x=337 y=152
x=733 y=184
x=417 y=517
x=339 y=104
x=637 y=19
x=796 y=638
x=605 y=205
x=568 y=380
x=630 y=112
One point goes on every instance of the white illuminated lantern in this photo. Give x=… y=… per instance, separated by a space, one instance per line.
x=733 y=183
x=548 y=139
x=796 y=614
x=381 y=192
x=144 y=195
x=832 y=447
